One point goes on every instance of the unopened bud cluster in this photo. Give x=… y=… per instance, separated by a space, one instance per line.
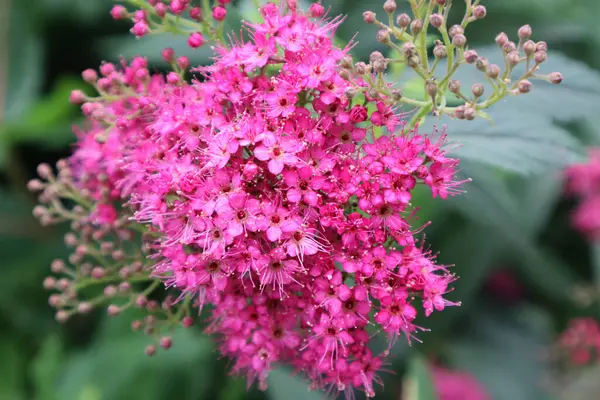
x=175 y=16
x=106 y=268
x=406 y=37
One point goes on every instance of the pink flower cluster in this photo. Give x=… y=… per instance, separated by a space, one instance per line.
x=457 y=385
x=579 y=344
x=272 y=200
x=584 y=181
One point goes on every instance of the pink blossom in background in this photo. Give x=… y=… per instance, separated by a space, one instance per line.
x=457 y=385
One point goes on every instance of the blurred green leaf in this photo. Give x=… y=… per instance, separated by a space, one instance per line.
x=233 y=389
x=45 y=368
x=489 y=202
x=48 y=120
x=537 y=197
x=81 y=10
x=502 y=350
x=115 y=366
x=284 y=385
x=418 y=383
x=11 y=365
x=24 y=61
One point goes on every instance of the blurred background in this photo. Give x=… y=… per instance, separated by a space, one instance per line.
x=524 y=273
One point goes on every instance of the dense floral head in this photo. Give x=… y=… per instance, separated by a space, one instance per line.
x=274 y=189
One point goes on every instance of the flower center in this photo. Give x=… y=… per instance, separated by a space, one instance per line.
x=276 y=151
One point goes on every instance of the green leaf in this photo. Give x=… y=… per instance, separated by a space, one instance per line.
x=418 y=383
x=24 y=61
x=11 y=364
x=502 y=350
x=48 y=121
x=46 y=367
x=285 y=386
x=116 y=368
x=490 y=203
x=537 y=197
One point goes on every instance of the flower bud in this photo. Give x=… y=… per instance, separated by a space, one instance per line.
x=61 y=316
x=57 y=266
x=396 y=95
x=360 y=68
x=431 y=88
x=219 y=13
x=408 y=49
x=460 y=112
x=416 y=26
x=380 y=65
x=469 y=113
x=436 y=20
x=389 y=6
x=63 y=284
x=541 y=46
x=98 y=273
x=513 y=58
x=403 y=20
x=316 y=10
x=454 y=86
x=136 y=325
x=161 y=9
x=77 y=97
x=456 y=30
x=84 y=308
x=413 y=61
x=383 y=36
x=49 y=283
x=529 y=48
x=166 y=342
x=509 y=47
x=196 y=14
x=479 y=12
x=118 y=12
x=439 y=51
x=501 y=38
x=441 y=2
x=346 y=61
x=369 y=17
x=481 y=64
x=124 y=287
x=183 y=62
x=459 y=40
x=113 y=310
x=477 y=90
x=110 y=291
x=375 y=56
x=150 y=350
x=524 y=86
x=540 y=57
x=187 y=322
x=195 y=40
x=525 y=32
x=493 y=71
x=89 y=75
x=470 y=56
x=555 y=78
x=35 y=185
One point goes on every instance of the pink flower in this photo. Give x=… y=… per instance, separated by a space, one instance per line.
x=277 y=152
